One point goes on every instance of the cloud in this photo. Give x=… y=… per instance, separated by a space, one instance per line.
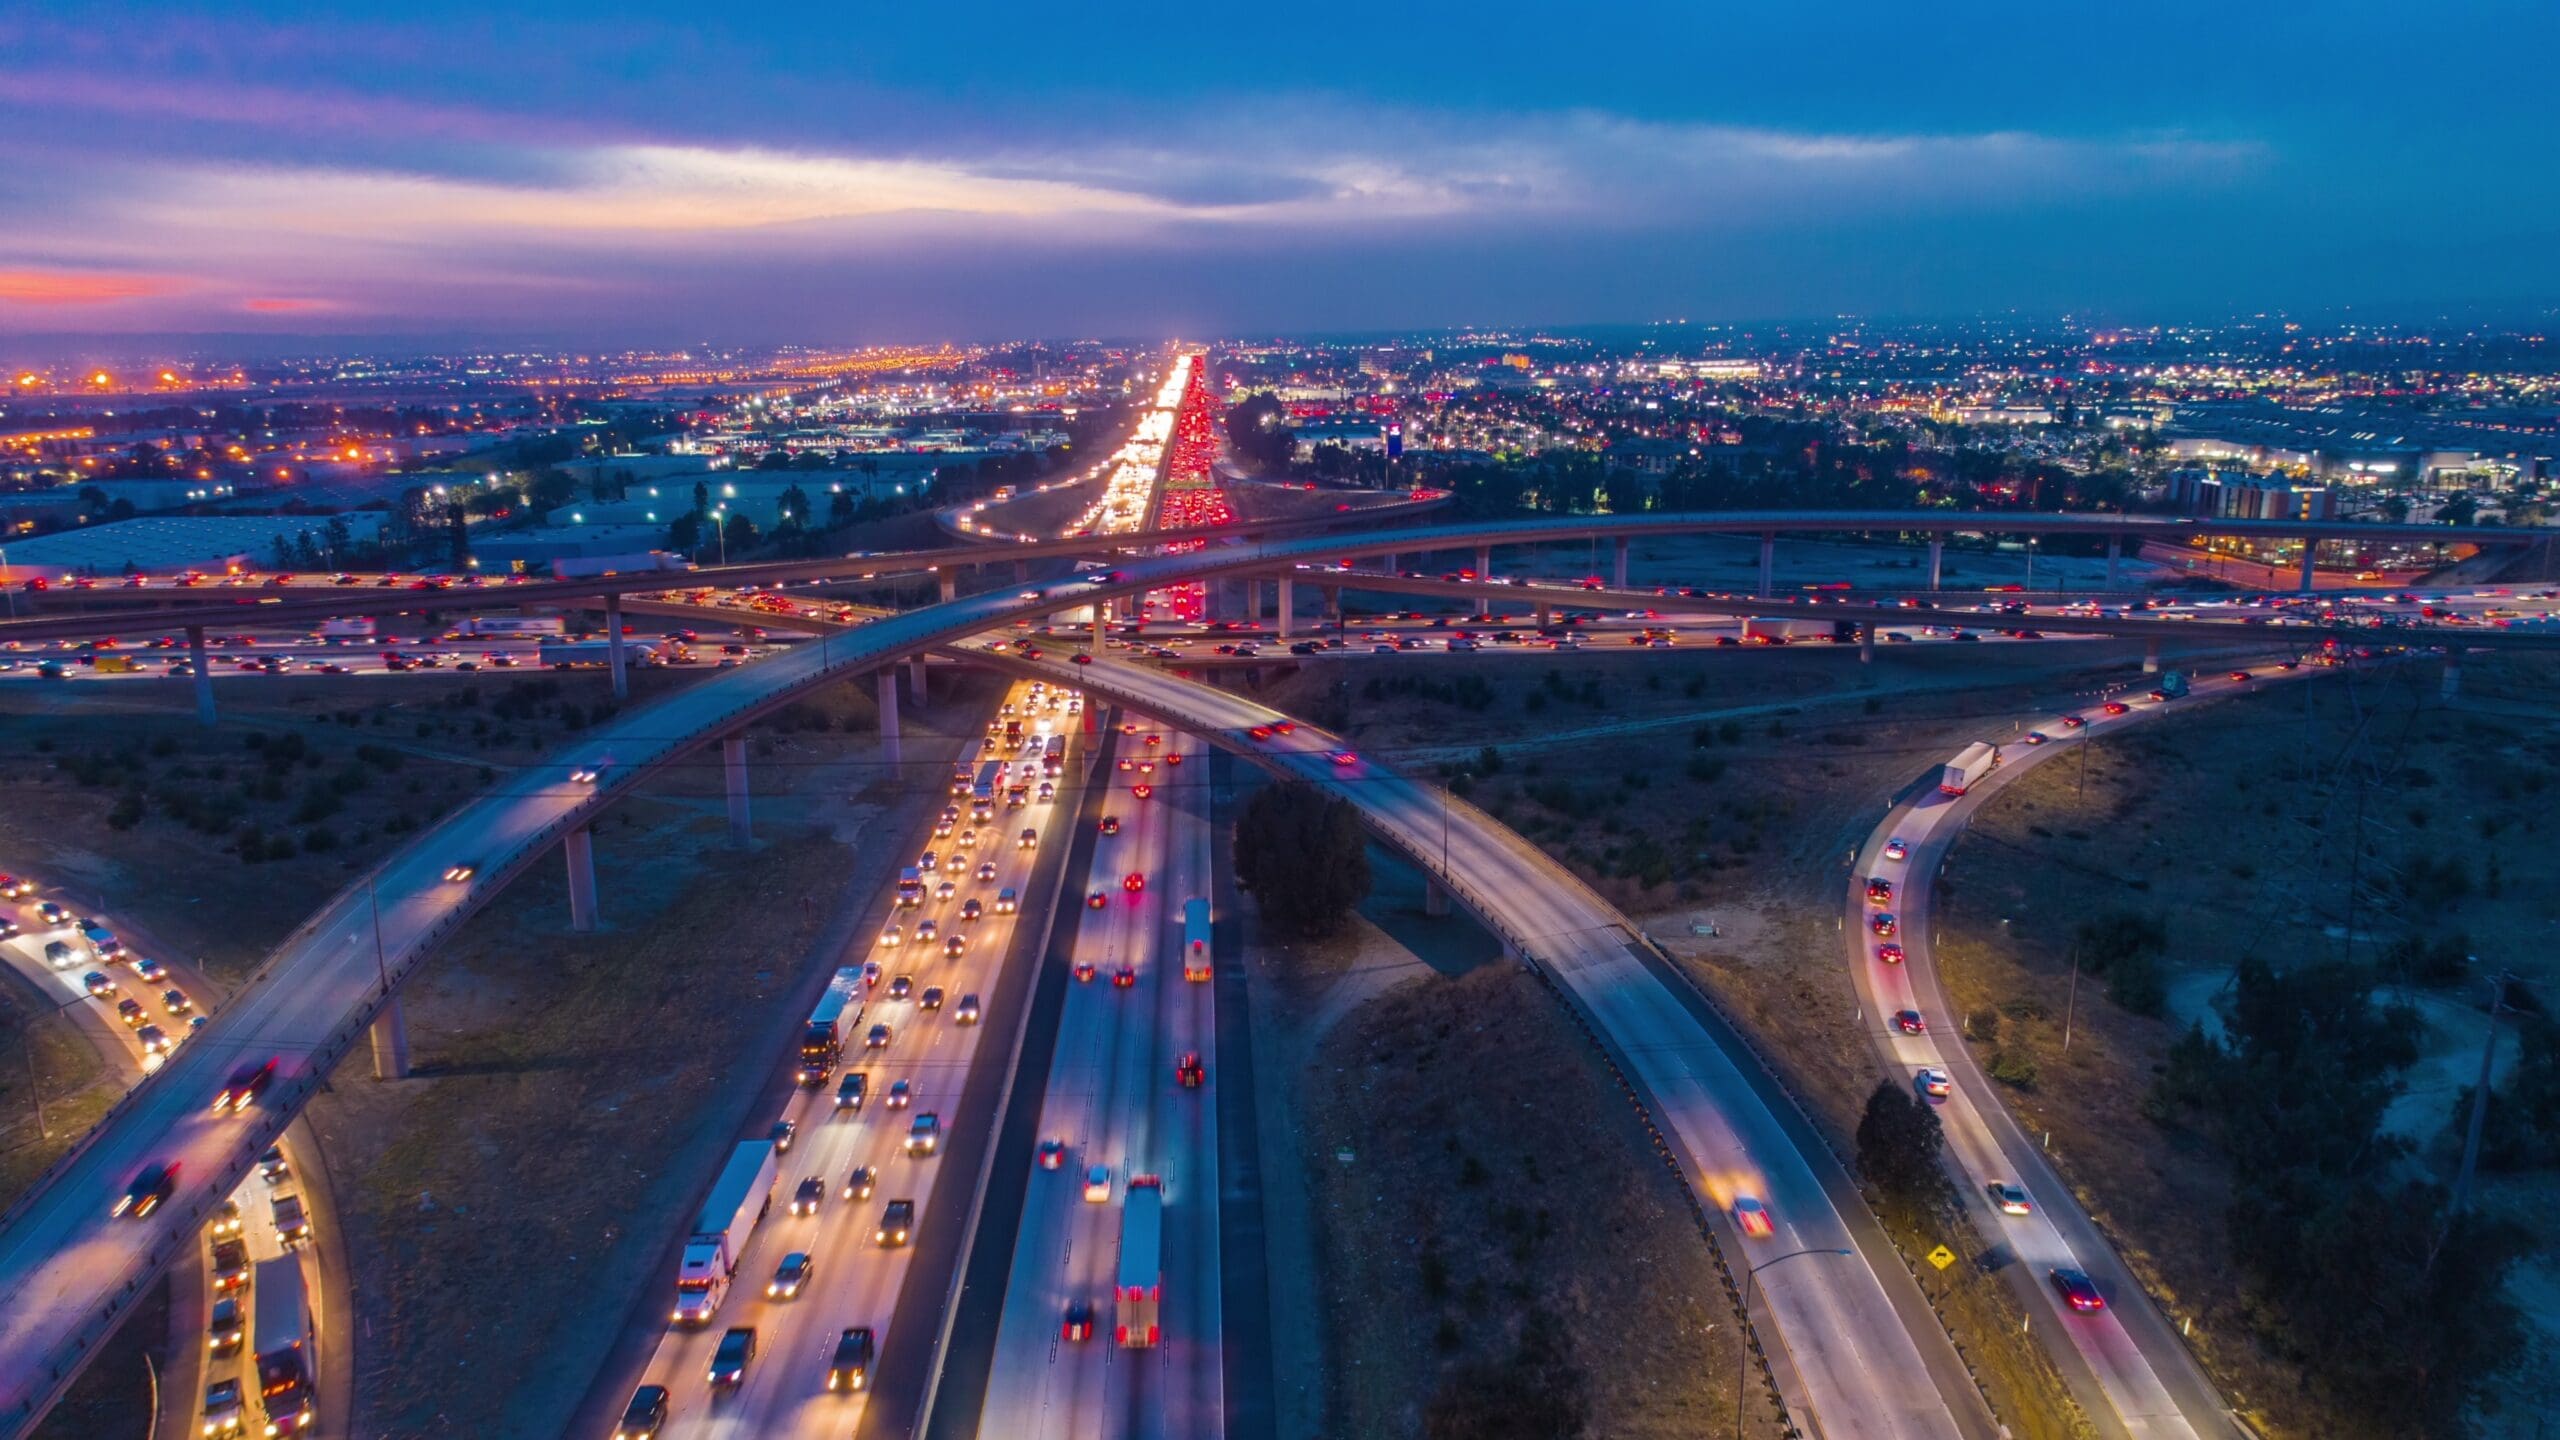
x=74 y=288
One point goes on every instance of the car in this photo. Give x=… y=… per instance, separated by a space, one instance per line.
x=1344 y=757
x=972 y=908
x=1096 y=900
x=782 y=1134
x=1008 y=901
x=805 y=1199
x=2034 y=737
x=946 y=889
x=1110 y=824
x=900 y=1093
x=931 y=999
x=901 y=987
x=228 y=1220
x=460 y=871
x=858 y=1182
x=870 y=974
x=149 y=1191
x=1097 y=1185
x=225 y=1330
x=2009 y=1199
x=1127 y=764
x=2236 y=676
x=1909 y=1022
x=1894 y=849
x=272 y=1168
x=966 y=1012
x=99 y=983
x=955 y=946
x=1933 y=1082
x=222 y=1408
x=2116 y=707
x=849 y=1369
x=1889 y=954
x=1189 y=1072
x=230 y=1264
x=176 y=1002
x=1051 y=1154
x=1752 y=1218
x=2072 y=722
x=1078 y=1324
x=130 y=1011
x=928 y=931
x=645 y=1416
x=2160 y=696
x=248 y=1080
x=1134 y=882
x=1879 y=890
x=852 y=1088
x=897 y=1220
x=789 y=1276
x=924 y=1133
x=729 y=1362
x=2077 y=1289
x=878 y=1039
x=1124 y=977
x=52 y=913
x=149 y=971
x=585 y=774
x=1083 y=970
x=1884 y=924
x=16 y=887
x=891 y=936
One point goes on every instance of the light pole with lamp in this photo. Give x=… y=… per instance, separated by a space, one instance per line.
x=1751 y=1278
x=381 y=966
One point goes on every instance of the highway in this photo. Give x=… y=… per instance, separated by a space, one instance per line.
x=857 y=1281
x=2133 y=1376
x=1844 y=1354
x=1112 y=1100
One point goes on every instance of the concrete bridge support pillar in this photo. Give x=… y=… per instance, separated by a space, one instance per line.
x=2150 y=657
x=1387 y=563
x=1937 y=560
x=1484 y=576
x=1435 y=898
x=613 y=646
x=390 y=1032
x=1546 y=615
x=1101 y=625
x=949 y=580
x=2115 y=551
x=733 y=762
x=2310 y=558
x=1867 y=643
x=203 y=668
x=580 y=851
x=1288 y=604
x=1623 y=546
x=1768 y=565
x=916 y=680
x=1333 y=602
x=1253 y=602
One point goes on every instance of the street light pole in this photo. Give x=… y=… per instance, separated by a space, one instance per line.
x=1750 y=1279
x=381 y=967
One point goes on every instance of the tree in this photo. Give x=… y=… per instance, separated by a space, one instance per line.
x=1301 y=854
x=1258 y=429
x=1898 y=1140
x=840 y=510
x=2127 y=948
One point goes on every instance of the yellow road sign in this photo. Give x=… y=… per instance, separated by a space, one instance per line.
x=1942 y=1257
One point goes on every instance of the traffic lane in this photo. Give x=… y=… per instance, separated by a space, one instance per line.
x=1193 y=1399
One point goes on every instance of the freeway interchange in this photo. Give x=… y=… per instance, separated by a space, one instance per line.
x=1852 y=1352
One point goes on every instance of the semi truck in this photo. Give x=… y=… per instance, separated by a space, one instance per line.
x=2173 y=683
x=1782 y=632
x=561 y=654
x=283 y=1346
x=588 y=567
x=737 y=1201
x=487 y=626
x=839 y=1010
x=1195 y=939
x=1140 y=1292
x=1971 y=763
x=349 y=627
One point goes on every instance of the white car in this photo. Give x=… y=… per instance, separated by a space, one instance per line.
x=1097 y=1185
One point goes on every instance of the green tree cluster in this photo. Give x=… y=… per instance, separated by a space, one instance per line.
x=1300 y=853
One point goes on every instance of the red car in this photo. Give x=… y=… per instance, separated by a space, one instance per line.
x=1889 y=954
x=1260 y=732
x=2235 y=675
x=2072 y=722
x=1752 y=1218
x=1286 y=727
x=1142 y=790
x=1909 y=1022
x=1345 y=757
x=1155 y=739
x=1173 y=757
x=2117 y=707
x=1134 y=882
x=1189 y=1070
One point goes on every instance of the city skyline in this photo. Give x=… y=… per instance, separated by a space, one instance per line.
x=647 y=176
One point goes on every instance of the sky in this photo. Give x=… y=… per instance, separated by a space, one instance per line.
x=654 y=173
